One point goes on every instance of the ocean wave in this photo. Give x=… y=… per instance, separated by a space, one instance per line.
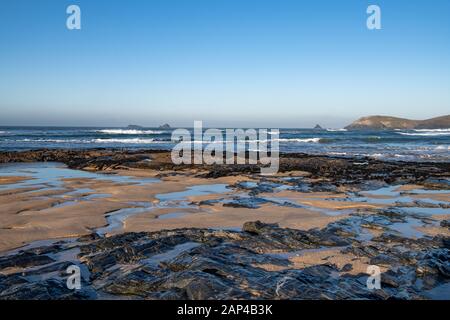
x=337 y=153
x=432 y=130
x=426 y=133
x=51 y=140
x=376 y=155
x=125 y=141
x=372 y=139
x=129 y=131
x=90 y=141
x=337 y=130
x=305 y=140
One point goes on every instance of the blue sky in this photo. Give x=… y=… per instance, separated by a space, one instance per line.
x=284 y=63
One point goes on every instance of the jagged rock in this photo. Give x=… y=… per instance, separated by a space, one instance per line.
x=24 y=260
x=195 y=263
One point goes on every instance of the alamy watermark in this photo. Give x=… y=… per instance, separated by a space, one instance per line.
x=74 y=280
x=374 y=280
x=374 y=19
x=228 y=146
x=73 y=21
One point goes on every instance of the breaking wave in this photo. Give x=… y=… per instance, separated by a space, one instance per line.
x=87 y=141
x=305 y=140
x=337 y=130
x=427 y=133
x=129 y=131
x=432 y=130
x=131 y=141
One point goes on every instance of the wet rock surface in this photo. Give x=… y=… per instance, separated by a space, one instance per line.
x=223 y=264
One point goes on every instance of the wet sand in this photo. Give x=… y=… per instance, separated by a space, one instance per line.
x=30 y=214
x=232 y=218
x=308 y=258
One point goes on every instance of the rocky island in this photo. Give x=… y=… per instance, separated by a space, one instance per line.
x=385 y=122
x=165 y=126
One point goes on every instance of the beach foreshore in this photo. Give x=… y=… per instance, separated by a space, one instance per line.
x=142 y=227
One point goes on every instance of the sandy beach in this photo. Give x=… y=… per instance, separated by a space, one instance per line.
x=312 y=214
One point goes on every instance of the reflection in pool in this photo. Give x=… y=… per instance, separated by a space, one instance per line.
x=50 y=175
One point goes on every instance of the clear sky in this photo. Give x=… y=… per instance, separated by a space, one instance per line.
x=277 y=63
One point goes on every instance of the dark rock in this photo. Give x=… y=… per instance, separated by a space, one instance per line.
x=330 y=170
x=383 y=259
x=24 y=260
x=445 y=223
x=89 y=237
x=347 y=267
x=195 y=263
x=256 y=227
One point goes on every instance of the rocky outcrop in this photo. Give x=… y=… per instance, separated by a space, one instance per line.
x=134 y=127
x=384 y=122
x=223 y=264
x=322 y=168
x=165 y=126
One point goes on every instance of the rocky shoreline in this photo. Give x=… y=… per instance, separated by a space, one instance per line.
x=221 y=264
x=258 y=261
x=333 y=169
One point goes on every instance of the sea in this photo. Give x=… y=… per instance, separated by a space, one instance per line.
x=401 y=145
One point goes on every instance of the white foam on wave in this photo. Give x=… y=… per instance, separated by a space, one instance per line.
x=88 y=141
x=337 y=130
x=129 y=131
x=432 y=130
x=125 y=141
x=426 y=133
x=376 y=155
x=305 y=140
x=332 y=153
x=52 y=140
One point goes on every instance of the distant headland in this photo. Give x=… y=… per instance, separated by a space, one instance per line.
x=386 y=123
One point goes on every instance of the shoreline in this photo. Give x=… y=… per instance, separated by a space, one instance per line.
x=318 y=165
